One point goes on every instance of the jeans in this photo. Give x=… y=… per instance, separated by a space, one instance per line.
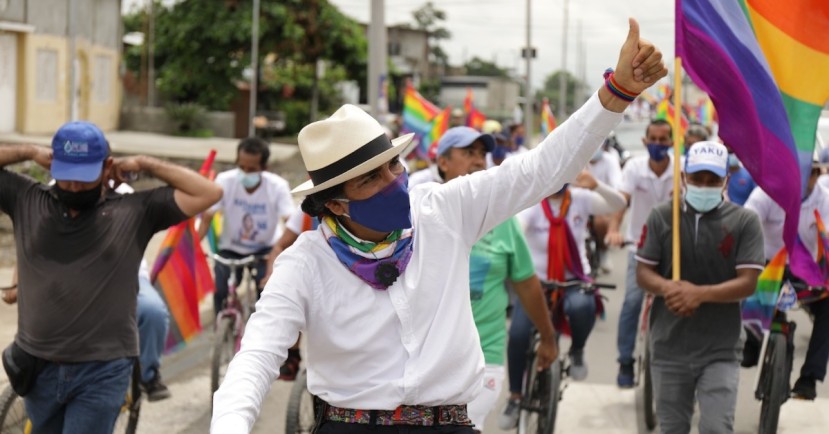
x=222 y=274
x=580 y=309
x=629 y=318
x=153 y=325
x=817 y=356
x=676 y=386
x=78 y=397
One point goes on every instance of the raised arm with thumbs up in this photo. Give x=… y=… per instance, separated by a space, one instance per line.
x=638 y=68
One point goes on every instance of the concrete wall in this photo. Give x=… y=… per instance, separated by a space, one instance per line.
x=48 y=16
x=107 y=24
x=15 y=11
x=156 y=120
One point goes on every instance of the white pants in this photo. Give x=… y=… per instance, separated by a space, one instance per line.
x=480 y=407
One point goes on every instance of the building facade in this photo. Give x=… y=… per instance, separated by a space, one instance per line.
x=59 y=61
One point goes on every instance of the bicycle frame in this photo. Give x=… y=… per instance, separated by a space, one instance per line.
x=234 y=307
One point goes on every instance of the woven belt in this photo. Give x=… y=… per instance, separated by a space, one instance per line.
x=416 y=415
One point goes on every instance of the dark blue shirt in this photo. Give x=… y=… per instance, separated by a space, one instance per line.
x=740 y=186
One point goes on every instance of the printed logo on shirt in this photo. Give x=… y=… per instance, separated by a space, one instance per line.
x=490 y=383
x=726 y=244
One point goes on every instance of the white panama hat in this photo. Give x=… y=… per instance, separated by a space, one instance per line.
x=348 y=144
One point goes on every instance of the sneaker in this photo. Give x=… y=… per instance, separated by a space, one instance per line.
x=625 y=377
x=804 y=388
x=155 y=389
x=509 y=418
x=289 y=370
x=578 y=368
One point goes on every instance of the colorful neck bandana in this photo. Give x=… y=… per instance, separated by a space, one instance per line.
x=562 y=252
x=378 y=264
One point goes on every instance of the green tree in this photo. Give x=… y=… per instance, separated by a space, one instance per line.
x=430 y=19
x=478 y=66
x=202 y=48
x=551 y=91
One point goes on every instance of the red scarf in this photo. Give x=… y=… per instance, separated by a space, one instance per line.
x=562 y=252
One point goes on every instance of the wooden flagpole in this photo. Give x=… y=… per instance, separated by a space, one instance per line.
x=677 y=138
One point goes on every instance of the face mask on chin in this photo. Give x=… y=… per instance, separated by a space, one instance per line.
x=78 y=200
x=388 y=210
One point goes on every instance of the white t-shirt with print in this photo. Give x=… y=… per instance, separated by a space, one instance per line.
x=250 y=220
x=646 y=191
x=607 y=170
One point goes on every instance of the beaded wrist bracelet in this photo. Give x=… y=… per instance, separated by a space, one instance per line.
x=615 y=89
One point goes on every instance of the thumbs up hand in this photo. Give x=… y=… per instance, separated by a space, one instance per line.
x=640 y=62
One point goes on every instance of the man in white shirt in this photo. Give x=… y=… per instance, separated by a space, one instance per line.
x=647 y=181
x=380 y=289
x=253 y=204
x=771 y=219
x=606 y=169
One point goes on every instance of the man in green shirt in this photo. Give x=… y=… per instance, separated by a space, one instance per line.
x=502 y=254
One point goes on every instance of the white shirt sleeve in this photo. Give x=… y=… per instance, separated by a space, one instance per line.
x=756 y=203
x=605 y=200
x=476 y=203
x=628 y=184
x=285 y=202
x=271 y=330
x=221 y=179
x=614 y=171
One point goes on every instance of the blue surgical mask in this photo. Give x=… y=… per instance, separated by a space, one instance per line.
x=657 y=151
x=388 y=210
x=733 y=161
x=250 y=180
x=519 y=140
x=703 y=199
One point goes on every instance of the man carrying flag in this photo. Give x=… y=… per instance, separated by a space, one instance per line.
x=771 y=218
x=695 y=322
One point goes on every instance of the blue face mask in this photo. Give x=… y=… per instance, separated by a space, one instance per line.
x=519 y=140
x=703 y=199
x=388 y=210
x=657 y=151
x=250 y=180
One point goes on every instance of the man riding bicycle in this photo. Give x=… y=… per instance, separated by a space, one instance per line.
x=556 y=230
x=254 y=202
x=79 y=247
x=772 y=216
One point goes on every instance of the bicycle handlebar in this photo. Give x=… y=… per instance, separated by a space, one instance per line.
x=237 y=263
x=803 y=286
x=576 y=283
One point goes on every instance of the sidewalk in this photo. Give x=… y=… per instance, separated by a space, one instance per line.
x=133 y=142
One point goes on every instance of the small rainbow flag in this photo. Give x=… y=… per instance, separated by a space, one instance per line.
x=758 y=309
x=418 y=114
x=182 y=277
x=439 y=126
x=214 y=232
x=474 y=118
x=665 y=110
x=548 y=120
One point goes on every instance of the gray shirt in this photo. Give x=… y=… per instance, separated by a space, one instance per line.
x=713 y=246
x=77 y=275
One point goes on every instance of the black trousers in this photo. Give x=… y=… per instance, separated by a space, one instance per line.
x=329 y=427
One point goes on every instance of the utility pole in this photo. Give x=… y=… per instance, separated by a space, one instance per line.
x=562 y=78
x=377 y=68
x=150 y=40
x=254 y=66
x=528 y=93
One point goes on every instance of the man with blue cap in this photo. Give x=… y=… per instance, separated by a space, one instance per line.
x=695 y=322
x=79 y=246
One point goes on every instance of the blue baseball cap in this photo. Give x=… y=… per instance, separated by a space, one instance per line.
x=78 y=152
x=461 y=137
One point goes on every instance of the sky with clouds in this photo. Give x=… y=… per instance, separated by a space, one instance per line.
x=495 y=30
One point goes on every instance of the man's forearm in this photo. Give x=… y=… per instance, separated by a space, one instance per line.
x=616 y=221
x=648 y=279
x=732 y=290
x=531 y=297
x=13 y=154
x=178 y=177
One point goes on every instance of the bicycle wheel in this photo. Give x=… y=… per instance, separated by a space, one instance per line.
x=540 y=396
x=13 y=417
x=775 y=387
x=300 y=418
x=647 y=384
x=127 y=421
x=224 y=348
